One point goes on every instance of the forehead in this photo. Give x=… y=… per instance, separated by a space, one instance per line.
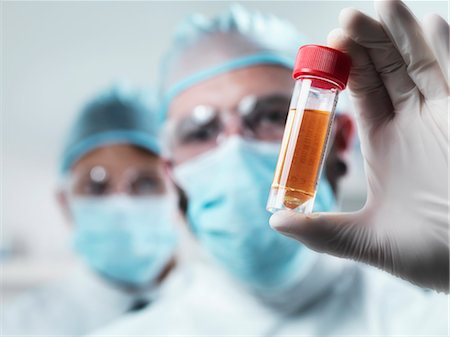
x=118 y=157
x=225 y=91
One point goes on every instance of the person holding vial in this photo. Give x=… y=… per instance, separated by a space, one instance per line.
x=116 y=193
x=227 y=84
x=400 y=86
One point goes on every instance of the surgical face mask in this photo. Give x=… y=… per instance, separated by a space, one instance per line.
x=227 y=190
x=126 y=239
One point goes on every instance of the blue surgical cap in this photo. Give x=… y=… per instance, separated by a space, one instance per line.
x=238 y=38
x=118 y=115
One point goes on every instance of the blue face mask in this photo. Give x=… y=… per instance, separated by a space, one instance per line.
x=126 y=239
x=227 y=190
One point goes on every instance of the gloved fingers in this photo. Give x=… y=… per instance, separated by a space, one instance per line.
x=339 y=234
x=407 y=35
x=388 y=62
x=437 y=33
x=370 y=97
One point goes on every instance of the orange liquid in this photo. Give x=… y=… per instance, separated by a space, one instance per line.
x=300 y=179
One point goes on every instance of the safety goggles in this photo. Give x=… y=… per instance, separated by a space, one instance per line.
x=99 y=181
x=259 y=118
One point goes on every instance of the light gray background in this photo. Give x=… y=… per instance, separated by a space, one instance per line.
x=57 y=54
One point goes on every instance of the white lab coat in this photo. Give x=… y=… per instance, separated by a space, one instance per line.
x=72 y=307
x=336 y=297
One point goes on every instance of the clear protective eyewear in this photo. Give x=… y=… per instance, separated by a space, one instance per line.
x=260 y=118
x=98 y=181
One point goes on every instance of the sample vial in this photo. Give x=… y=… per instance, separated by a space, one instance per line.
x=320 y=73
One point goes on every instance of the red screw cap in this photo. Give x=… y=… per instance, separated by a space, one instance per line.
x=325 y=62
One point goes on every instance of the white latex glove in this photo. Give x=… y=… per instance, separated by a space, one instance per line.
x=401 y=96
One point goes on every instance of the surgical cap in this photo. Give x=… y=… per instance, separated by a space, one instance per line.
x=118 y=115
x=203 y=48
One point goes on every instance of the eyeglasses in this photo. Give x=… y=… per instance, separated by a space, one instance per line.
x=98 y=181
x=261 y=118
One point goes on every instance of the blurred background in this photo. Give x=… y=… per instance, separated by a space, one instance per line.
x=56 y=55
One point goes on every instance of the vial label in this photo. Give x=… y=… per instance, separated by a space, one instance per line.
x=301 y=176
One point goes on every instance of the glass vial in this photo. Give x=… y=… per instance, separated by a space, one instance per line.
x=320 y=73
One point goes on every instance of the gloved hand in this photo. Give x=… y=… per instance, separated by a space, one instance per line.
x=399 y=85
